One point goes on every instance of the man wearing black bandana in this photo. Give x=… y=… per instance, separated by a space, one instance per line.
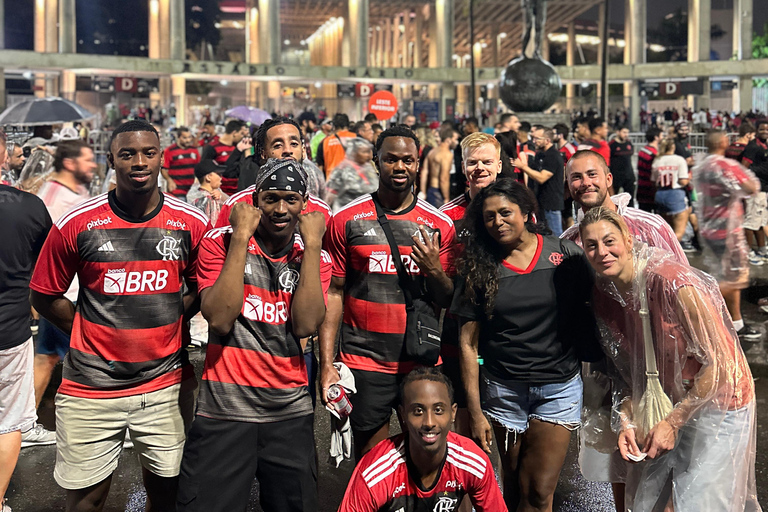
x=254 y=415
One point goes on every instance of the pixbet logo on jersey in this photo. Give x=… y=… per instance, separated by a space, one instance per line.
x=256 y=310
x=176 y=224
x=98 y=222
x=380 y=262
x=118 y=281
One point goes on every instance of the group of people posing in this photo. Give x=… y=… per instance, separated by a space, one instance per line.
x=535 y=326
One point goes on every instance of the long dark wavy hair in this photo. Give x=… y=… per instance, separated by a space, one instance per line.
x=479 y=263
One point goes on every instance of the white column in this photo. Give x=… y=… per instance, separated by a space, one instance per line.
x=67 y=27
x=178 y=31
x=636 y=22
x=699 y=26
x=269 y=31
x=742 y=49
x=444 y=32
x=356 y=25
x=570 y=60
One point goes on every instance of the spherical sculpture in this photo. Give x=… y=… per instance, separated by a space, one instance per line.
x=529 y=85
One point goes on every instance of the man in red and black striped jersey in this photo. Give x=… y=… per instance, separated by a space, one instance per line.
x=208 y=134
x=222 y=149
x=179 y=162
x=646 y=188
x=746 y=135
x=132 y=250
x=567 y=149
x=427 y=468
x=262 y=290
x=598 y=133
x=365 y=285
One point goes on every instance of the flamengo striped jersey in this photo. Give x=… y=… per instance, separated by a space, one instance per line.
x=228 y=185
x=373 y=327
x=180 y=163
x=450 y=335
x=382 y=483
x=646 y=188
x=127 y=332
x=314 y=204
x=644 y=226
x=256 y=373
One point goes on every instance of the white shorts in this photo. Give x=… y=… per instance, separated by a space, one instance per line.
x=756 y=211
x=90 y=433
x=17 y=388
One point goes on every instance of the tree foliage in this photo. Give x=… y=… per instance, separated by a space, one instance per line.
x=760 y=51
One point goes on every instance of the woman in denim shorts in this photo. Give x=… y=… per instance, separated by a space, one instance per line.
x=524 y=308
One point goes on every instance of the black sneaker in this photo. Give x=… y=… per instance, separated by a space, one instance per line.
x=747 y=333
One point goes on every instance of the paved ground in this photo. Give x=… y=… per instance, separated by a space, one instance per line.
x=33 y=489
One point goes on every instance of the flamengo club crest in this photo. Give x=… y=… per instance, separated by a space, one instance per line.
x=168 y=248
x=288 y=280
x=445 y=504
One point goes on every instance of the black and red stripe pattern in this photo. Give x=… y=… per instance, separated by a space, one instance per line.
x=180 y=163
x=127 y=333
x=228 y=185
x=256 y=373
x=373 y=327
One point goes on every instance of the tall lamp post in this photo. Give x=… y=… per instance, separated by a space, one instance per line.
x=472 y=98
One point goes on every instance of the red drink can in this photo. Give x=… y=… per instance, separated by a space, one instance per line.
x=337 y=397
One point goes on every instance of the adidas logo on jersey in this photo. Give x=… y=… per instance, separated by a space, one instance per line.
x=107 y=247
x=370 y=232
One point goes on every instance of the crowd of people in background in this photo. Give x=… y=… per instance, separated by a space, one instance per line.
x=307 y=256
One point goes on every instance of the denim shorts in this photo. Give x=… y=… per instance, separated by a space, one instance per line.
x=51 y=340
x=671 y=201
x=511 y=404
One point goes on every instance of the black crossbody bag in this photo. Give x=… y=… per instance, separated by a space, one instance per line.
x=422 y=327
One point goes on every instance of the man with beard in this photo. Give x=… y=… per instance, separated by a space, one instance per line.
x=179 y=162
x=73 y=168
x=365 y=279
x=262 y=292
x=224 y=152
x=16 y=158
x=427 y=467
x=133 y=249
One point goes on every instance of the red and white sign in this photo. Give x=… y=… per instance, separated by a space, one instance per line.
x=363 y=90
x=126 y=84
x=383 y=104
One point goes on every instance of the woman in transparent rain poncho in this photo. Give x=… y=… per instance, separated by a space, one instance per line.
x=698 y=454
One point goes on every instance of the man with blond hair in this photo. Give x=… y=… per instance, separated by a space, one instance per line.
x=481 y=163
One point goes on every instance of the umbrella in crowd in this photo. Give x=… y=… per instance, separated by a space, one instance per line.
x=249 y=114
x=43 y=111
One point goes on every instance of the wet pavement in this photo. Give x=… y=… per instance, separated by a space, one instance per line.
x=33 y=488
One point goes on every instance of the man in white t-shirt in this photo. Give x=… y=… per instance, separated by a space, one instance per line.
x=73 y=168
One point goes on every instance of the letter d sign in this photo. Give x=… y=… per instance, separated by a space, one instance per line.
x=670 y=88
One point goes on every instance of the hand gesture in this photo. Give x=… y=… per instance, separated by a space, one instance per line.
x=481 y=432
x=312 y=228
x=660 y=439
x=244 y=145
x=244 y=218
x=426 y=252
x=628 y=444
x=216 y=194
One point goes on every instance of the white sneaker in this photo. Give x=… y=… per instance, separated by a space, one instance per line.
x=37 y=436
x=5 y=507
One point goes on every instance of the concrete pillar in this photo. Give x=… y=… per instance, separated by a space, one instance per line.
x=270 y=41
x=387 y=60
x=635 y=30
x=68 y=85
x=397 y=43
x=46 y=41
x=356 y=25
x=67 y=27
x=699 y=26
x=603 y=37
x=743 y=95
x=742 y=29
x=179 y=97
x=51 y=20
x=407 y=61
x=570 y=60
x=154 y=29
x=433 y=35
x=448 y=93
x=444 y=30
x=178 y=22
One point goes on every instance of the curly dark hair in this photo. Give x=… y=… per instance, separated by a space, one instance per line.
x=397 y=131
x=260 y=140
x=479 y=263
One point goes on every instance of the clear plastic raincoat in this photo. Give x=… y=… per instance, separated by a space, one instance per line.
x=718 y=185
x=703 y=371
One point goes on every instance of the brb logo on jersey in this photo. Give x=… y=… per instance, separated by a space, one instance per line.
x=118 y=281
x=168 y=248
x=445 y=504
x=380 y=262
x=257 y=310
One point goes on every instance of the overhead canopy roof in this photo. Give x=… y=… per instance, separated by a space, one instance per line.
x=299 y=19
